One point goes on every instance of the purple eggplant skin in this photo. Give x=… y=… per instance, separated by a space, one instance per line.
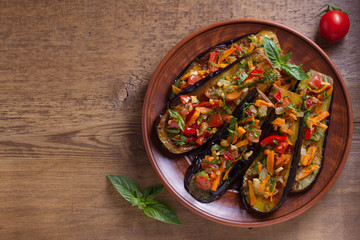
x=287 y=189
x=207 y=196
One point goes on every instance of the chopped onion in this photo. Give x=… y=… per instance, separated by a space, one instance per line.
x=279 y=110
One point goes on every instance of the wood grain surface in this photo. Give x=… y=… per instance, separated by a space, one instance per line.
x=73 y=78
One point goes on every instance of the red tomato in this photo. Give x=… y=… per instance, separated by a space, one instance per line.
x=334 y=25
x=278 y=96
x=193 y=79
x=203 y=182
x=185 y=99
x=215 y=120
x=310 y=132
x=316 y=81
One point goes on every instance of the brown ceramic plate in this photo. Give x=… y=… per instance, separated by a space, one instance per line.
x=171 y=168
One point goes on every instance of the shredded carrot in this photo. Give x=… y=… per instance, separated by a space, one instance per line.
x=263 y=182
x=270 y=162
x=240 y=131
x=310 y=153
x=277 y=83
x=321 y=116
x=226 y=53
x=223 y=65
x=216 y=182
x=328 y=92
x=272 y=193
x=293 y=116
x=305 y=172
x=250 y=64
x=259 y=168
x=257 y=121
x=203 y=110
x=320 y=90
x=235 y=136
x=251 y=193
x=249 y=119
x=213 y=152
x=194 y=117
x=250 y=48
x=233 y=95
x=278 y=122
x=175 y=89
x=280 y=161
x=242 y=143
x=259 y=103
x=227 y=172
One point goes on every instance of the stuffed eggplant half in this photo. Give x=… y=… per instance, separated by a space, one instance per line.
x=317 y=94
x=215 y=169
x=192 y=119
x=271 y=174
x=217 y=58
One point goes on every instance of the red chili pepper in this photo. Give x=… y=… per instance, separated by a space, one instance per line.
x=213 y=62
x=185 y=99
x=271 y=139
x=217 y=103
x=189 y=131
x=316 y=81
x=281 y=147
x=310 y=132
x=278 y=96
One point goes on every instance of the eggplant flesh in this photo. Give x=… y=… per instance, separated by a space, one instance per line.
x=220 y=90
x=269 y=178
x=227 y=157
x=239 y=46
x=313 y=145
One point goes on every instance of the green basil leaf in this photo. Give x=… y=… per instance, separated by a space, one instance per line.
x=127 y=187
x=152 y=191
x=178 y=118
x=162 y=212
x=286 y=58
x=294 y=71
x=272 y=51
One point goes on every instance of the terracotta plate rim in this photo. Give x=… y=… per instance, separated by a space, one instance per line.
x=268 y=221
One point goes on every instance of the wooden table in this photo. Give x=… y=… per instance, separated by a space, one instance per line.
x=73 y=78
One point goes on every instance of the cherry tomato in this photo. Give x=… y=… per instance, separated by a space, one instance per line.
x=193 y=79
x=334 y=24
x=203 y=181
x=316 y=81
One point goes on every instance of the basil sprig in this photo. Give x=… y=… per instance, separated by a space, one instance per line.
x=178 y=118
x=273 y=54
x=130 y=190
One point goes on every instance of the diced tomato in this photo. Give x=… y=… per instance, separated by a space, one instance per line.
x=173 y=124
x=189 y=131
x=316 y=81
x=251 y=135
x=278 y=96
x=213 y=62
x=228 y=118
x=191 y=139
x=229 y=155
x=193 y=79
x=185 y=99
x=285 y=102
x=215 y=120
x=309 y=101
x=239 y=48
x=281 y=147
x=203 y=181
x=200 y=140
x=310 y=132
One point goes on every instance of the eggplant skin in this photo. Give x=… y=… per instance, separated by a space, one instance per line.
x=306 y=183
x=292 y=172
x=259 y=61
x=207 y=196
